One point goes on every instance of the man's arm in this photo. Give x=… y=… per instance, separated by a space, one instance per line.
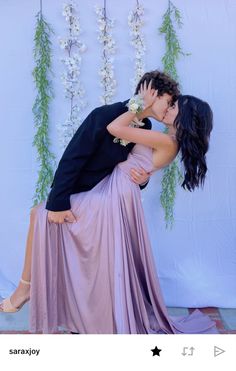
x=79 y=150
x=140 y=177
x=143 y=185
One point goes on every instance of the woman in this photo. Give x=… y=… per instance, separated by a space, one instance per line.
x=98 y=275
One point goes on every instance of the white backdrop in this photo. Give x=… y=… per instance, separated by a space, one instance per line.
x=196 y=261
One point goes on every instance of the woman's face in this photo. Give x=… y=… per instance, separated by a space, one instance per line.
x=160 y=106
x=171 y=114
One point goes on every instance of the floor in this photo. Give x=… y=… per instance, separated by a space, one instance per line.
x=17 y=323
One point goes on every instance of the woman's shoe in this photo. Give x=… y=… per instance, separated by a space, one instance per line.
x=6 y=305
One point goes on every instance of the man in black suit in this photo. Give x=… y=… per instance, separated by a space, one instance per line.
x=92 y=154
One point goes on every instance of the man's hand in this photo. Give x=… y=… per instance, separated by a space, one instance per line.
x=61 y=216
x=139 y=176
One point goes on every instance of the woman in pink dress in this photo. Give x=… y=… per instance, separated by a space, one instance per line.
x=97 y=276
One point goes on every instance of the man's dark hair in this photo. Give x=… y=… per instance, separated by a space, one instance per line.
x=161 y=82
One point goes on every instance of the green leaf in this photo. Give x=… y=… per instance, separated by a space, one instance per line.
x=171 y=174
x=44 y=94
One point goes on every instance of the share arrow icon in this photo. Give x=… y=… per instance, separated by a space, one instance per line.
x=218 y=351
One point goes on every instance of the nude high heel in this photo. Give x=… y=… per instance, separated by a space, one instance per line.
x=6 y=305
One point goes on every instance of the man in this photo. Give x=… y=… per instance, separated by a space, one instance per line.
x=92 y=153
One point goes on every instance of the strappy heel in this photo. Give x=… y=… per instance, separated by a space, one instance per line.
x=6 y=305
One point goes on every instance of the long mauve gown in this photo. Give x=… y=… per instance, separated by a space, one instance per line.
x=97 y=275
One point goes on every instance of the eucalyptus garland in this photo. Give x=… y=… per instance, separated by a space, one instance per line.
x=171 y=173
x=41 y=72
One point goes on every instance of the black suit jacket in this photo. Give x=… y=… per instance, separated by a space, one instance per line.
x=90 y=156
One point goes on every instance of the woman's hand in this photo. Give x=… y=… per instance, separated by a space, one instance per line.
x=148 y=94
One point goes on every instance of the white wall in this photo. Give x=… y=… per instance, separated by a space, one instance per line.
x=196 y=261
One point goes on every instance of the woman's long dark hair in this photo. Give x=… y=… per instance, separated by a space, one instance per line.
x=194 y=124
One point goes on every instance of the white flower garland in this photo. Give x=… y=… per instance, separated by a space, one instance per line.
x=73 y=88
x=135 y=21
x=106 y=72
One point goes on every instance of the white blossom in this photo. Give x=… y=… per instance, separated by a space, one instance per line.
x=106 y=72
x=135 y=22
x=73 y=89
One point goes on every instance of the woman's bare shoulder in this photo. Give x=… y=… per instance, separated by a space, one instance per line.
x=166 y=153
x=170 y=143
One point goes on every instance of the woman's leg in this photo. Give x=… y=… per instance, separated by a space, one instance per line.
x=26 y=274
x=22 y=291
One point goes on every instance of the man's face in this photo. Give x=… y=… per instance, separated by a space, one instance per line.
x=161 y=105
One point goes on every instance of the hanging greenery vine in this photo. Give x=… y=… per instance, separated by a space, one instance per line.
x=136 y=22
x=106 y=72
x=73 y=88
x=41 y=72
x=171 y=174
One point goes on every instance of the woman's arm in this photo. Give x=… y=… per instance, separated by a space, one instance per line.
x=120 y=129
x=120 y=126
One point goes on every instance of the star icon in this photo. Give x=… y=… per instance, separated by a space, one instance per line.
x=156 y=351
